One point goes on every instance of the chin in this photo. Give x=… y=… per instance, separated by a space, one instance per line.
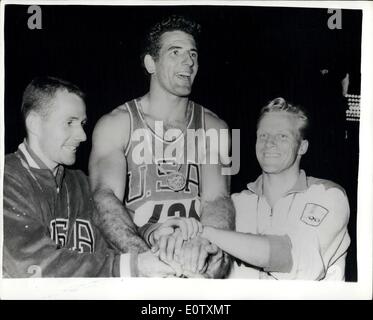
x=69 y=162
x=270 y=171
x=183 y=92
x=269 y=168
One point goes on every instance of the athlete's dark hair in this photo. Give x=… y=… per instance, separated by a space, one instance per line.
x=152 y=43
x=281 y=105
x=40 y=92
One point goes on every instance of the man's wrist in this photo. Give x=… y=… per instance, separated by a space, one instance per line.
x=147 y=233
x=134 y=264
x=125 y=265
x=129 y=264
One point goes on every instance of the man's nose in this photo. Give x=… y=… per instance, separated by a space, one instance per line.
x=270 y=141
x=188 y=59
x=80 y=135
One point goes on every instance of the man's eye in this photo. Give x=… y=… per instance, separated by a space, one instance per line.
x=194 y=55
x=283 y=136
x=69 y=123
x=262 y=136
x=175 y=52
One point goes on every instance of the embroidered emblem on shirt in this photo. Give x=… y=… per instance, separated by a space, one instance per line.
x=313 y=214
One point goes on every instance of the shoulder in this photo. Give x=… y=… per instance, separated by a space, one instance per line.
x=113 y=129
x=217 y=127
x=18 y=186
x=116 y=119
x=13 y=168
x=11 y=161
x=325 y=185
x=213 y=121
x=329 y=198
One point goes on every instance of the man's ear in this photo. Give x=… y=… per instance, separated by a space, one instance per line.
x=33 y=122
x=303 y=147
x=149 y=64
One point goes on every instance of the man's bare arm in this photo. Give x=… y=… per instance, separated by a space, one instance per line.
x=219 y=213
x=217 y=206
x=217 y=209
x=107 y=172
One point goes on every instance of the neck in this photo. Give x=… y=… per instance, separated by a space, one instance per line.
x=35 y=147
x=161 y=105
x=276 y=185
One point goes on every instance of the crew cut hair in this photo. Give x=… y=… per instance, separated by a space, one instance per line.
x=40 y=92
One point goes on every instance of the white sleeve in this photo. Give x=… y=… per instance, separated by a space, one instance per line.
x=125 y=265
x=319 y=238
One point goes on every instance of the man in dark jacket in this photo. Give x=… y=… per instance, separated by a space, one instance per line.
x=48 y=230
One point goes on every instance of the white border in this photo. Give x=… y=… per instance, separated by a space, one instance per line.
x=133 y=289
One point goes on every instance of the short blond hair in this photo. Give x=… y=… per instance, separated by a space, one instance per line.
x=281 y=105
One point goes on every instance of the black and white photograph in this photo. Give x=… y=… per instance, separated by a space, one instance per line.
x=184 y=141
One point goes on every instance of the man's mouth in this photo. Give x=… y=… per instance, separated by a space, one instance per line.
x=186 y=76
x=272 y=154
x=71 y=148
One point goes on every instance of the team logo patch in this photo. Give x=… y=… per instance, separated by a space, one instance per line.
x=176 y=181
x=313 y=214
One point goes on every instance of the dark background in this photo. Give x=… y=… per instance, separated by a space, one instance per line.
x=248 y=56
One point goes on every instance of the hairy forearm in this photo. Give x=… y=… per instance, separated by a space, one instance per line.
x=116 y=224
x=219 y=213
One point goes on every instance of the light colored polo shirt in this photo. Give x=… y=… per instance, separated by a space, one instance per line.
x=314 y=215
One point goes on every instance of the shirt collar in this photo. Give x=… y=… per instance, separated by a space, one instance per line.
x=33 y=160
x=36 y=163
x=299 y=186
x=256 y=186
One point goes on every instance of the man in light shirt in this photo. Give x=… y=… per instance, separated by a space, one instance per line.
x=288 y=225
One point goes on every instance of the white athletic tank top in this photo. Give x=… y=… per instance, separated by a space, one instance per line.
x=164 y=177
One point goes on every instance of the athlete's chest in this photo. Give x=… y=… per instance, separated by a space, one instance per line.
x=66 y=217
x=162 y=181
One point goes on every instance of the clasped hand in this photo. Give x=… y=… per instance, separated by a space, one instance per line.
x=178 y=242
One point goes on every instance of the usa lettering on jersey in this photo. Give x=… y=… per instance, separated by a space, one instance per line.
x=82 y=234
x=140 y=187
x=152 y=198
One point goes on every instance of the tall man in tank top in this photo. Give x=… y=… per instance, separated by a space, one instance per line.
x=150 y=188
